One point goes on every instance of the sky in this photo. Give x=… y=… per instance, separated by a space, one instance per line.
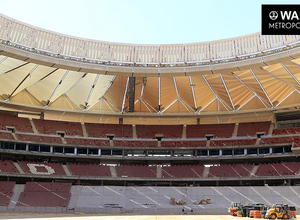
x=142 y=22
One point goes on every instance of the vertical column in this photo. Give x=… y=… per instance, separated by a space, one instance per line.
x=131 y=93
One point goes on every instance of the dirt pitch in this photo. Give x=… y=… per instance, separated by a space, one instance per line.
x=85 y=216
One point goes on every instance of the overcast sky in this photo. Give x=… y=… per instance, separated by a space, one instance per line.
x=142 y=22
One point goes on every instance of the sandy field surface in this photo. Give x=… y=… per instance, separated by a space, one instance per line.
x=85 y=216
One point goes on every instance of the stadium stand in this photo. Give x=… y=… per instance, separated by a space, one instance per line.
x=39 y=138
x=232 y=142
x=101 y=130
x=284 y=131
x=252 y=128
x=217 y=130
x=135 y=143
x=278 y=169
x=43 y=194
x=6 y=192
x=7 y=166
x=168 y=131
x=228 y=170
x=84 y=141
x=185 y=171
x=20 y=124
x=136 y=171
x=89 y=170
x=42 y=168
x=280 y=140
x=51 y=127
x=6 y=135
x=183 y=143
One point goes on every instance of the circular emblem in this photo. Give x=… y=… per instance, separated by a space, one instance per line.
x=273 y=15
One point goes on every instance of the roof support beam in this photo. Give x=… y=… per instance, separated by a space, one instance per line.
x=159 y=92
x=91 y=91
x=125 y=94
x=255 y=94
x=292 y=75
x=277 y=77
x=58 y=85
x=193 y=92
x=210 y=86
x=23 y=80
x=3 y=59
x=227 y=91
x=217 y=97
x=14 y=69
x=108 y=102
x=76 y=83
x=263 y=89
x=208 y=104
x=111 y=82
x=174 y=80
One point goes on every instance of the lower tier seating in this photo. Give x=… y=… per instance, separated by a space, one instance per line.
x=182 y=171
x=89 y=170
x=136 y=171
x=278 y=169
x=239 y=170
x=45 y=195
x=7 y=166
x=42 y=168
x=6 y=192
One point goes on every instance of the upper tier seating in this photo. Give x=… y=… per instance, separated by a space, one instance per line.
x=232 y=142
x=87 y=141
x=45 y=195
x=217 y=130
x=136 y=171
x=183 y=143
x=278 y=169
x=6 y=135
x=39 y=138
x=89 y=170
x=280 y=140
x=168 y=131
x=135 y=143
x=188 y=171
x=250 y=129
x=51 y=127
x=101 y=130
x=6 y=192
x=225 y=170
x=7 y=166
x=284 y=131
x=42 y=168
x=20 y=124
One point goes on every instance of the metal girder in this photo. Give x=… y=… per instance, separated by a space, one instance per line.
x=193 y=92
x=58 y=85
x=263 y=89
x=31 y=71
x=227 y=91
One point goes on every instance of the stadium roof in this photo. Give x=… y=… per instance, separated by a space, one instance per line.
x=44 y=71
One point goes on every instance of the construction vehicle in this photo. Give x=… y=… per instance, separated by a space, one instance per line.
x=279 y=211
x=236 y=209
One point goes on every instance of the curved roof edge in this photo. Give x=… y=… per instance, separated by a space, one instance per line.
x=26 y=42
x=147 y=118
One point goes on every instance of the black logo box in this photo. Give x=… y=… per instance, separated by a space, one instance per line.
x=272 y=22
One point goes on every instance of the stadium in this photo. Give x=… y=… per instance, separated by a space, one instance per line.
x=118 y=128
